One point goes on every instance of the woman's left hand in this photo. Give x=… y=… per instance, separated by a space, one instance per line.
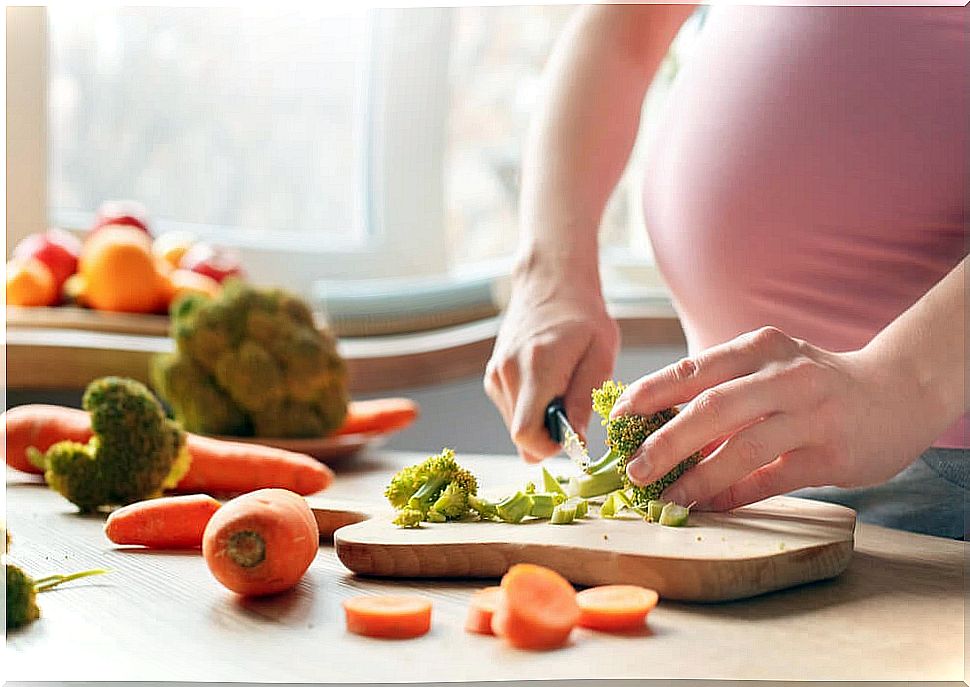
x=782 y=414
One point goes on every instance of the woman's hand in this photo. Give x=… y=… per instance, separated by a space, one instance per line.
x=556 y=339
x=781 y=414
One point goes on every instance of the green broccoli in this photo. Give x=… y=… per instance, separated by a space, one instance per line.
x=203 y=406
x=22 y=593
x=135 y=453
x=624 y=435
x=258 y=365
x=437 y=489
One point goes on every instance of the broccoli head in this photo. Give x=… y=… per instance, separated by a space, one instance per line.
x=202 y=405
x=136 y=451
x=437 y=489
x=624 y=435
x=258 y=365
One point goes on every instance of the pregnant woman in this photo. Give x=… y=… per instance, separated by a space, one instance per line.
x=807 y=201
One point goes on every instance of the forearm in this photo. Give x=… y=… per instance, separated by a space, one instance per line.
x=582 y=136
x=924 y=351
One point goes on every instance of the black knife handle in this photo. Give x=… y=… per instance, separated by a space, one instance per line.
x=554 y=410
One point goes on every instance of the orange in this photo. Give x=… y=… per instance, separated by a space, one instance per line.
x=30 y=283
x=120 y=273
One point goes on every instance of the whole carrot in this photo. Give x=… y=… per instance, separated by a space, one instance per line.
x=261 y=542
x=378 y=415
x=170 y=522
x=220 y=466
x=217 y=466
x=40 y=426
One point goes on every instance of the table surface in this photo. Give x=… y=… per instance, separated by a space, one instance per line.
x=897 y=613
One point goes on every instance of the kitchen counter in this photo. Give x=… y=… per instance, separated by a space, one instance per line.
x=897 y=613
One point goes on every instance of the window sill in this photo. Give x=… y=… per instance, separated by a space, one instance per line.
x=65 y=350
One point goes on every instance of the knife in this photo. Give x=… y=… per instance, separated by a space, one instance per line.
x=557 y=424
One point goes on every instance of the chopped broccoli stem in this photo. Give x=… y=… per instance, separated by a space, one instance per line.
x=607 y=462
x=609 y=507
x=654 y=507
x=596 y=484
x=582 y=506
x=674 y=515
x=543 y=504
x=563 y=514
x=530 y=487
x=550 y=483
x=514 y=508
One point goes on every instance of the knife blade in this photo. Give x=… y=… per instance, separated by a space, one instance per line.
x=557 y=424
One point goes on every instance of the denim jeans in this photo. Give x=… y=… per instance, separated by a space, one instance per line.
x=928 y=497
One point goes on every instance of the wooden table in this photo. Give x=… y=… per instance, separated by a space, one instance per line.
x=897 y=613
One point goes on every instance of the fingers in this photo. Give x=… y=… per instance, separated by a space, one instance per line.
x=528 y=427
x=681 y=381
x=716 y=412
x=790 y=471
x=742 y=454
x=594 y=367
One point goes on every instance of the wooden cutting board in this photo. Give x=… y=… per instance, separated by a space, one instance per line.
x=775 y=544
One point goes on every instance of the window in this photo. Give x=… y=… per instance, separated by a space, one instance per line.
x=322 y=145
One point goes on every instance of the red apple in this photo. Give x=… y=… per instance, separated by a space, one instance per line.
x=55 y=248
x=213 y=261
x=128 y=213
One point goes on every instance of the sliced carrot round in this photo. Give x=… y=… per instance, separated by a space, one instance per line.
x=537 y=608
x=388 y=616
x=615 y=607
x=481 y=609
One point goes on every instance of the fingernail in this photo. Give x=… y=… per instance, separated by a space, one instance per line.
x=639 y=468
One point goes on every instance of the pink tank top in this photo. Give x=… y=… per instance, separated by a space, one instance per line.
x=810 y=171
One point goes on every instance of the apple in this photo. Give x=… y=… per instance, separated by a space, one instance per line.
x=213 y=261
x=127 y=213
x=55 y=248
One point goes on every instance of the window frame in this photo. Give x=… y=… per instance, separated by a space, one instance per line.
x=403 y=212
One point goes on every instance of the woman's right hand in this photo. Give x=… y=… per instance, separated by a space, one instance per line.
x=556 y=339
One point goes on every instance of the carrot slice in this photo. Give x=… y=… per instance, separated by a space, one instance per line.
x=615 y=607
x=537 y=608
x=481 y=609
x=378 y=415
x=388 y=616
x=170 y=522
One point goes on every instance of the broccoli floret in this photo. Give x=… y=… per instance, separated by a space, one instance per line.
x=402 y=486
x=262 y=353
x=135 y=453
x=436 y=473
x=453 y=502
x=22 y=593
x=624 y=435
x=203 y=406
x=409 y=517
x=486 y=509
x=437 y=489
x=21 y=598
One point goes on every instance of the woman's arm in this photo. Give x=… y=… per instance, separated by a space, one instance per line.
x=556 y=337
x=794 y=415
